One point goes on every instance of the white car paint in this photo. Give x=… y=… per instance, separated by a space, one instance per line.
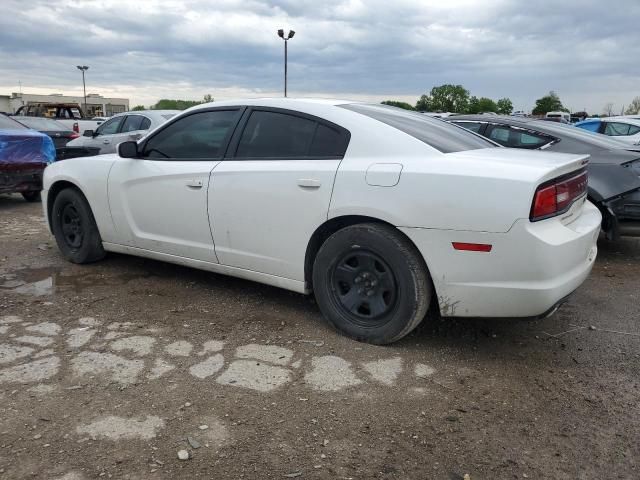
x=627 y=120
x=255 y=219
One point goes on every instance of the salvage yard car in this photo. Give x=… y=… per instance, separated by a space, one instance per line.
x=24 y=154
x=377 y=211
x=614 y=167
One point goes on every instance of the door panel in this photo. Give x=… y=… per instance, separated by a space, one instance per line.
x=162 y=206
x=263 y=212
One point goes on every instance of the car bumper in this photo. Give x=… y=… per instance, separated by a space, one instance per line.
x=23 y=181
x=529 y=270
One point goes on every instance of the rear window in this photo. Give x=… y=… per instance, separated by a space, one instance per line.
x=8 y=124
x=439 y=134
x=43 y=124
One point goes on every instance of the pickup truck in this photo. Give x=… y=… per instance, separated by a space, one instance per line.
x=68 y=113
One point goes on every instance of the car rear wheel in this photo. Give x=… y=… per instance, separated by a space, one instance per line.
x=32 y=196
x=371 y=283
x=75 y=228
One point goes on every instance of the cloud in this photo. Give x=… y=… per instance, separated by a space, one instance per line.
x=373 y=49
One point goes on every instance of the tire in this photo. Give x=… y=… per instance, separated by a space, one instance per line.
x=32 y=196
x=75 y=228
x=371 y=283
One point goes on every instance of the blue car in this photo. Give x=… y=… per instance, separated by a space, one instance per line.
x=24 y=154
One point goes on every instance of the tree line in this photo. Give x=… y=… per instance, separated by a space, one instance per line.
x=168 y=104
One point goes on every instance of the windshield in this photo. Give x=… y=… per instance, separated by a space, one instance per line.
x=43 y=124
x=7 y=123
x=439 y=134
x=577 y=133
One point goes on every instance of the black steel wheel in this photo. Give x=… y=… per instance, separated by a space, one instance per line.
x=371 y=283
x=75 y=228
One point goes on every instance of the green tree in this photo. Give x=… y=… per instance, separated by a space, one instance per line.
x=207 y=98
x=395 y=103
x=424 y=104
x=481 y=105
x=445 y=98
x=505 y=107
x=167 y=104
x=138 y=107
x=634 y=108
x=549 y=103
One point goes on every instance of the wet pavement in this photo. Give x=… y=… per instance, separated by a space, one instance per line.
x=109 y=370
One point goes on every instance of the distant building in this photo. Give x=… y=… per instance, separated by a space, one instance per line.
x=97 y=105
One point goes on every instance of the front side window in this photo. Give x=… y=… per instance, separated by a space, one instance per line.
x=132 y=123
x=199 y=135
x=110 y=126
x=436 y=133
x=616 y=129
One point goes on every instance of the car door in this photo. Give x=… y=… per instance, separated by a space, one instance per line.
x=104 y=133
x=273 y=190
x=132 y=127
x=159 y=201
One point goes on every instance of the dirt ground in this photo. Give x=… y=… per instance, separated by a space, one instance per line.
x=109 y=370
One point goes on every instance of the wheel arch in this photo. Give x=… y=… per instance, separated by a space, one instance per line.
x=331 y=226
x=53 y=192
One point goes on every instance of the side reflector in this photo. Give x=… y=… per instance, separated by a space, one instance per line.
x=472 y=247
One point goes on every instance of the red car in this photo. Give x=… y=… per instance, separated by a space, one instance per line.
x=24 y=154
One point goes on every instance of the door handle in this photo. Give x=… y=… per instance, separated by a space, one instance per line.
x=194 y=184
x=309 y=183
x=106 y=141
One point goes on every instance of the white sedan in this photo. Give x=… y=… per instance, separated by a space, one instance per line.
x=377 y=211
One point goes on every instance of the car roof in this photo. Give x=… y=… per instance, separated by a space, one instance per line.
x=632 y=121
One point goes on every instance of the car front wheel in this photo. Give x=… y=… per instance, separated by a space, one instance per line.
x=75 y=228
x=371 y=283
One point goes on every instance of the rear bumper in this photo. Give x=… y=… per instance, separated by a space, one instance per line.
x=529 y=270
x=21 y=181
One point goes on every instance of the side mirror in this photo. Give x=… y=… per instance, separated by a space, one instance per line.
x=87 y=133
x=128 y=150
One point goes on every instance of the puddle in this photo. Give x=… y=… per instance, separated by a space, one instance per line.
x=47 y=280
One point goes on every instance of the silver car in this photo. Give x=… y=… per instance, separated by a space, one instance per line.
x=122 y=127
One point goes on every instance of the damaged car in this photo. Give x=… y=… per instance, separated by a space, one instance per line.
x=24 y=154
x=614 y=166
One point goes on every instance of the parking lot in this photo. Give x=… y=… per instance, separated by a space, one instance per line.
x=109 y=370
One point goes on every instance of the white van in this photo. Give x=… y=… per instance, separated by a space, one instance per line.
x=564 y=115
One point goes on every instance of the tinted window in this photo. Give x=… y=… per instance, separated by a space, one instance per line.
x=9 y=124
x=437 y=133
x=616 y=129
x=276 y=135
x=132 y=123
x=146 y=123
x=328 y=142
x=110 y=127
x=473 y=126
x=200 y=135
x=515 y=137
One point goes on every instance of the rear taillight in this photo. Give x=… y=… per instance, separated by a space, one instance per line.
x=74 y=135
x=76 y=127
x=556 y=196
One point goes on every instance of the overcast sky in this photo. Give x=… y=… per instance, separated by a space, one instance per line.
x=588 y=51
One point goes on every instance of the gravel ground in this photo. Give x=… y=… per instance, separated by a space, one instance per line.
x=110 y=370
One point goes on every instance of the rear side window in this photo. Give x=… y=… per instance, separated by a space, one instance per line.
x=270 y=134
x=438 y=134
x=616 y=129
x=633 y=129
x=145 y=124
x=473 y=126
x=199 y=135
x=132 y=123
x=514 y=137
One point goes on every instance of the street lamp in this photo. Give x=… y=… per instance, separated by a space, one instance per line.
x=84 y=68
x=286 y=39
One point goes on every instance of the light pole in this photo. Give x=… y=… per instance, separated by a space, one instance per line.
x=84 y=68
x=286 y=40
